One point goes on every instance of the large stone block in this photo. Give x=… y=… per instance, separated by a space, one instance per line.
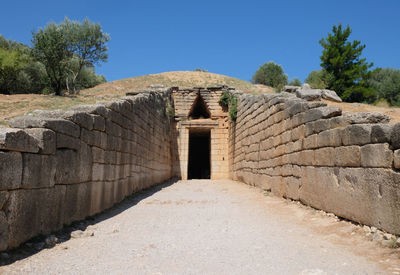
x=56 y=124
x=356 y=135
x=67 y=166
x=10 y=170
x=325 y=157
x=33 y=212
x=395 y=136
x=81 y=118
x=380 y=133
x=376 y=155
x=310 y=142
x=99 y=123
x=78 y=202
x=67 y=142
x=320 y=113
x=348 y=156
x=367 y=118
x=46 y=139
x=38 y=170
x=306 y=157
x=330 y=138
x=17 y=140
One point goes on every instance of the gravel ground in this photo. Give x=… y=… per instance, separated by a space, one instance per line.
x=212 y=227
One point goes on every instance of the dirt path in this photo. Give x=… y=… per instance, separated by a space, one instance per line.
x=212 y=227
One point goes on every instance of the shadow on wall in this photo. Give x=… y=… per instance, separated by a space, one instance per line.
x=80 y=228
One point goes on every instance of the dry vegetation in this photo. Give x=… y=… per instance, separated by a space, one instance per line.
x=15 y=105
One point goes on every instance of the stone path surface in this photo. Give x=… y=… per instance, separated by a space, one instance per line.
x=212 y=227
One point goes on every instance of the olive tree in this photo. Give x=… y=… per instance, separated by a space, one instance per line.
x=66 y=48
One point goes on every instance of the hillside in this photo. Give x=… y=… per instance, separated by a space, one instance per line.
x=15 y=105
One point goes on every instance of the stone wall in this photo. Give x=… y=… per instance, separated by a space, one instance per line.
x=57 y=167
x=341 y=163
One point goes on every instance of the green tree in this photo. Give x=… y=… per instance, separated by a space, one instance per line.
x=295 y=82
x=11 y=64
x=318 y=79
x=66 y=49
x=87 y=42
x=386 y=82
x=271 y=74
x=50 y=47
x=342 y=60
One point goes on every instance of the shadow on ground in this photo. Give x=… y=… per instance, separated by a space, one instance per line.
x=39 y=243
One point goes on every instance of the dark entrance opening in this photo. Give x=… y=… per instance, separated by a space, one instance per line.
x=199 y=154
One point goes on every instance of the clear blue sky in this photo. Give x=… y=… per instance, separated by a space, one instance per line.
x=226 y=37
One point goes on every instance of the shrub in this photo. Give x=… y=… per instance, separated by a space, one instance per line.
x=230 y=101
x=200 y=70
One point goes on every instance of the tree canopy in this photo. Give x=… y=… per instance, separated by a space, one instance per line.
x=386 y=82
x=67 y=48
x=271 y=74
x=342 y=60
x=295 y=82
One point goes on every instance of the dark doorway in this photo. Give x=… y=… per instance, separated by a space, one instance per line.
x=199 y=154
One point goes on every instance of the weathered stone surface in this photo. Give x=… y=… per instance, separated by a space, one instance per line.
x=46 y=139
x=67 y=166
x=81 y=118
x=74 y=166
x=67 y=142
x=395 y=136
x=321 y=112
x=308 y=94
x=349 y=186
x=330 y=95
x=3 y=231
x=38 y=171
x=329 y=138
x=10 y=170
x=325 y=157
x=3 y=198
x=290 y=89
x=380 y=133
x=348 y=156
x=396 y=156
x=96 y=109
x=56 y=124
x=99 y=123
x=376 y=155
x=17 y=140
x=33 y=212
x=367 y=117
x=78 y=198
x=356 y=135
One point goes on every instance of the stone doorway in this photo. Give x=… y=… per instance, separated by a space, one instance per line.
x=199 y=166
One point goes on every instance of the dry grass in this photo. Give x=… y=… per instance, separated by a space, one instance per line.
x=15 y=105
